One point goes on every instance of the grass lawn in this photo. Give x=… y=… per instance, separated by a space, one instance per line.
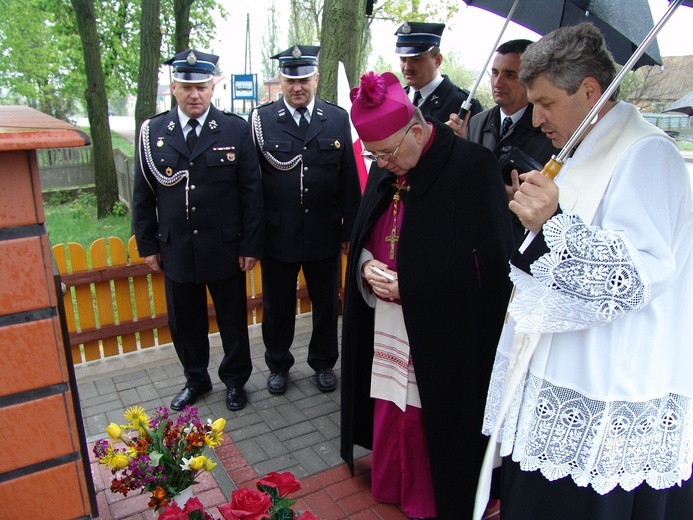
x=75 y=221
x=69 y=220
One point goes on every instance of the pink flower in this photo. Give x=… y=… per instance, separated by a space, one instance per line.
x=246 y=504
x=193 y=504
x=172 y=512
x=307 y=515
x=285 y=483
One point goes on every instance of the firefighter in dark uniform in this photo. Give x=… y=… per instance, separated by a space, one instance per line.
x=312 y=193
x=197 y=215
x=418 y=47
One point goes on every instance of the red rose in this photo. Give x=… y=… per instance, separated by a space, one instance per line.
x=172 y=512
x=285 y=483
x=193 y=504
x=246 y=504
x=307 y=515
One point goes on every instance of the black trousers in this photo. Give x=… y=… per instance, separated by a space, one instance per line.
x=189 y=324
x=279 y=311
x=528 y=495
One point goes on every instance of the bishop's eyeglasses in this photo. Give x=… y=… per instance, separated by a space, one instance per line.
x=388 y=156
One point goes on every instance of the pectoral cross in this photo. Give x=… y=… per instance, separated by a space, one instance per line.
x=393 y=237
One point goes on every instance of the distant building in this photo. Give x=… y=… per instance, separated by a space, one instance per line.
x=273 y=90
x=664 y=85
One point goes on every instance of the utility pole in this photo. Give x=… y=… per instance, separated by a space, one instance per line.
x=248 y=69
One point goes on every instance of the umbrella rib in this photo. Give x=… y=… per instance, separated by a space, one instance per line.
x=468 y=102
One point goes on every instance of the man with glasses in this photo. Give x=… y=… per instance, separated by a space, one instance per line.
x=426 y=292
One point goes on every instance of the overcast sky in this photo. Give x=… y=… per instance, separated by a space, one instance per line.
x=472 y=33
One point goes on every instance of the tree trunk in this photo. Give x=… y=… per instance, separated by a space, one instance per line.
x=181 y=42
x=181 y=11
x=150 y=60
x=345 y=36
x=97 y=109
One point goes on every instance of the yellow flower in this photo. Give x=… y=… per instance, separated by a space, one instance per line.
x=213 y=439
x=218 y=425
x=209 y=464
x=197 y=463
x=138 y=418
x=120 y=461
x=132 y=451
x=114 y=431
x=107 y=459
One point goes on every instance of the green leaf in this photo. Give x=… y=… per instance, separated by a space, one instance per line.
x=273 y=492
x=283 y=514
x=155 y=457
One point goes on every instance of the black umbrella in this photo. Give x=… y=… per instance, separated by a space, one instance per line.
x=623 y=27
x=623 y=24
x=684 y=104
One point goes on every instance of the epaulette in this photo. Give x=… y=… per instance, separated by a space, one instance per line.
x=227 y=112
x=268 y=103
x=334 y=105
x=156 y=116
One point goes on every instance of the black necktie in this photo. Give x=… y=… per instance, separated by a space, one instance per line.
x=507 y=123
x=191 y=138
x=302 y=121
x=417 y=98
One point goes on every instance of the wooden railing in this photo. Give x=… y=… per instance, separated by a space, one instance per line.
x=68 y=168
x=114 y=306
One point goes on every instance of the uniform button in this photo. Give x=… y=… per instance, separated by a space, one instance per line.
x=195 y=232
x=192 y=163
x=192 y=187
x=305 y=168
x=162 y=160
x=307 y=210
x=306 y=190
x=305 y=148
x=193 y=209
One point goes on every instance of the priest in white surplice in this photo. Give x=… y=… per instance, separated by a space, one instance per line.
x=591 y=399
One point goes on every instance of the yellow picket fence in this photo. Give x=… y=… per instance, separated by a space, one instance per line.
x=118 y=304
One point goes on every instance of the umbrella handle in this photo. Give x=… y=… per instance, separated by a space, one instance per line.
x=552 y=168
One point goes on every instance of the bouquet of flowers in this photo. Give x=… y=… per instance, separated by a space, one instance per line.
x=160 y=455
x=268 y=502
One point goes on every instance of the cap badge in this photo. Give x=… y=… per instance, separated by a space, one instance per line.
x=296 y=52
x=160 y=142
x=192 y=59
x=169 y=171
x=406 y=28
x=213 y=124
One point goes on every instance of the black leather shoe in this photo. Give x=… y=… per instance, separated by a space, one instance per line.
x=326 y=379
x=236 y=398
x=188 y=396
x=277 y=382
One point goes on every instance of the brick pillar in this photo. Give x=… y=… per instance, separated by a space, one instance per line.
x=44 y=467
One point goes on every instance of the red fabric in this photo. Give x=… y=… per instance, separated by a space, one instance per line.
x=400 y=468
x=360 y=161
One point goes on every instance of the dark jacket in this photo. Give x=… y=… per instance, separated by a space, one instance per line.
x=446 y=99
x=223 y=197
x=309 y=209
x=452 y=268
x=484 y=129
